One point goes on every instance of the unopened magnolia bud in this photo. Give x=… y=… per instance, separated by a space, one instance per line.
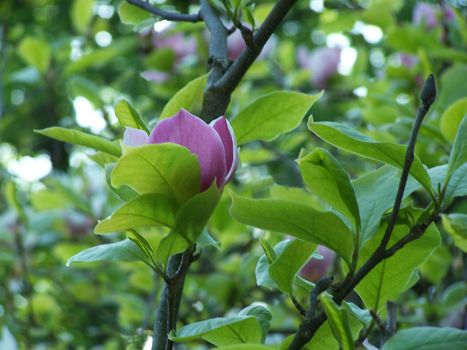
x=428 y=93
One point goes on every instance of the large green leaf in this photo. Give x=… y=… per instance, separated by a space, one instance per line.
x=391 y=277
x=262 y=314
x=188 y=97
x=284 y=269
x=221 y=331
x=271 y=115
x=36 y=52
x=427 y=338
x=458 y=155
x=81 y=14
x=456 y=225
x=128 y=116
x=195 y=213
x=296 y=219
x=150 y=209
x=125 y=250
x=326 y=178
x=83 y=139
x=350 y=140
x=164 y=168
x=376 y=192
x=339 y=322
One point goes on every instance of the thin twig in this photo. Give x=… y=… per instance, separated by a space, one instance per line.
x=298 y=306
x=170 y=16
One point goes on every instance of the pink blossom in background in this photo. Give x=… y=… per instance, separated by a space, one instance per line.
x=183 y=46
x=321 y=62
x=408 y=60
x=315 y=269
x=236 y=44
x=425 y=13
x=213 y=144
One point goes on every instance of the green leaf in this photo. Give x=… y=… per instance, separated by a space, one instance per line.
x=262 y=314
x=173 y=243
x=262 y=266
x=376 y=192
x=150 y=209
x=295 y=219
x=221 y=331
x=350 y=140
x=268 y=250
x=452 y=118
x=390 y=278
x=427 y=338
x=35 y=52
x=81 y=14
x=195 y=213
x=132 y=15
x=249 y=346
x=188 y=97
x=284 y=269
x=338 y=321
x=128 y=116
x=457 y=185
x=458 y=155
x=125 y=193
x=271 y=115
x=164 y=168
x=125 y=250
x=456 y=226
x=323 y=174
x=83 y=139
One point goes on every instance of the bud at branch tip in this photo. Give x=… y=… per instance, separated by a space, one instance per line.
x=429 y=91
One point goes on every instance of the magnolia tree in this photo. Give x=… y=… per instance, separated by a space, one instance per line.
x=334 y=250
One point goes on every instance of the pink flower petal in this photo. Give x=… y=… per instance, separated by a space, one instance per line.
x=134 y=137
x=226 y=133
x=191 y=132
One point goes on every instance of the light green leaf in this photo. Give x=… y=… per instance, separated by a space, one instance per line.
x=125 y=250
x=323 y=174
x=195 y=213
x=427 y=338
x=456 y=226
x=338 y=321
x=35 y=52
x=452 y=117
x=457 y=185
x=284 y=269
x=376 y=192
x=262 y=314
x=458 y=155
x=350 y=140
x=132 y=15
x=189 y=97
x=390 y=278
x=81 y=14
x=271 y=115
x=150 y=209
x=83 y=139
x=124 y=192
x=128 y=116
x=221 y=331
x=262 y=266
x=295 y=219
x=268 y=250
x=164 y=168
x=173 y=243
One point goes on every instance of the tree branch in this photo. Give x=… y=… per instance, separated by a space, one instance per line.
x=170 y=16
x=219 y=89
x=341 y=291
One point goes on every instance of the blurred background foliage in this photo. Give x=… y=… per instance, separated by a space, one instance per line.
x=68 y=63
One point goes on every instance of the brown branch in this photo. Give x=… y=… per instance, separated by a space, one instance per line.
x=170 y=16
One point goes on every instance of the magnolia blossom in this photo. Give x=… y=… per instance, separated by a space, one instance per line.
x=315 y=269
x=425 y=13
x=321 y=62
x=236 y=44
x=213 y=144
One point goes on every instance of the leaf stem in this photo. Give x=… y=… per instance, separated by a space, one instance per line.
x=170 y=16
